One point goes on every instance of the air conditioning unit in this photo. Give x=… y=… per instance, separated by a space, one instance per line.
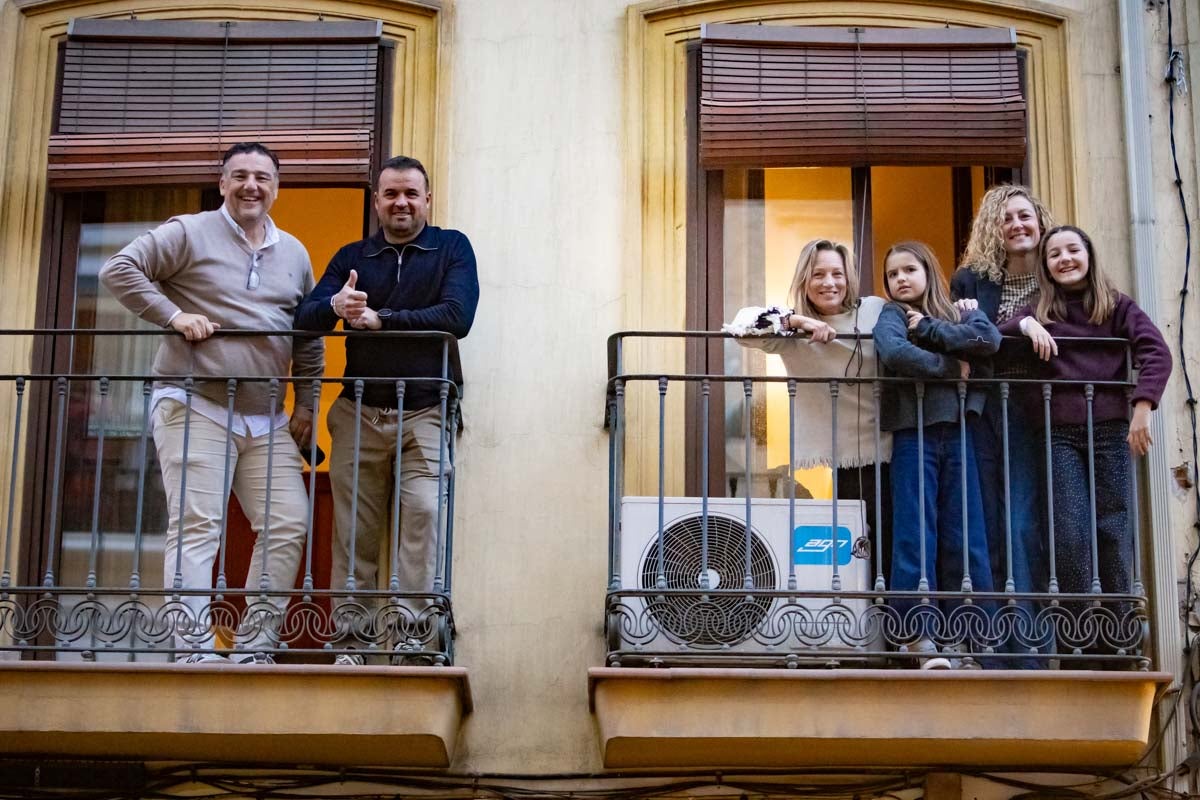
x=749 y=623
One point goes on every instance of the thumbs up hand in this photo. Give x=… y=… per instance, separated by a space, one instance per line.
x=349 y=303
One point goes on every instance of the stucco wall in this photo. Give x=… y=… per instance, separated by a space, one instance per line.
x=537 y=180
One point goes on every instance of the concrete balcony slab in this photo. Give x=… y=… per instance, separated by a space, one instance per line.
x=394 y=716
x=693 y=717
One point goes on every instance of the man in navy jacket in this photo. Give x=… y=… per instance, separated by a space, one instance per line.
x=409 y=276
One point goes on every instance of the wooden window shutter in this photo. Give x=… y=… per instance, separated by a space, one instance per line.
x=774 y=96
x=158 y=102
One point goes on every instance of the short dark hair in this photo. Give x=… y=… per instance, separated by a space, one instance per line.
x=250 y=147
x=401 y=163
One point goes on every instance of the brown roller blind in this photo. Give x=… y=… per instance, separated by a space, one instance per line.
x=782 y=96
x=326 y=156
x=158 y=102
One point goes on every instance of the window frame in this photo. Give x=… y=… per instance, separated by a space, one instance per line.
x=704 y=284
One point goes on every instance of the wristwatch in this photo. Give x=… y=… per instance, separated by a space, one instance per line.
x=384 y=313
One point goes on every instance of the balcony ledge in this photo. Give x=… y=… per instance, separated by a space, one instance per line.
x=379 y=716
x=793 y=718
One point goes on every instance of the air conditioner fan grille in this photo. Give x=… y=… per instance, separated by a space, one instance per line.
x=717 y=620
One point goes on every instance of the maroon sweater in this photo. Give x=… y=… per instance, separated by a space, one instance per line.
x=1100 y=361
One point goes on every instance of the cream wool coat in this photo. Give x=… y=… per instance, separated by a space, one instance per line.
x=856 y=403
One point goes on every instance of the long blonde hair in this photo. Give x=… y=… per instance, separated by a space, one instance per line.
x=985 y=254
x=807 y=262
x=936 y=300
x=1099 y=293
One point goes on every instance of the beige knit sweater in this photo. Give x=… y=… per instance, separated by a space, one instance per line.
x=856 y=403
x=197 y=264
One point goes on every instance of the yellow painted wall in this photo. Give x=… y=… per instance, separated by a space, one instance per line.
x=556 y=133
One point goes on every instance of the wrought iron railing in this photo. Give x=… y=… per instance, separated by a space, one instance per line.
x=769 y=578
x=83 y=564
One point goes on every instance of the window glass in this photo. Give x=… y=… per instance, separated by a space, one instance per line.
x=110 y=221
x=769 y=216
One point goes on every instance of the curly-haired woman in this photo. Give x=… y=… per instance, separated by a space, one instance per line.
x=1000 y=270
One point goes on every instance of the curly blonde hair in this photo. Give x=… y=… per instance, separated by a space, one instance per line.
x=985 y=254
x=807 y=262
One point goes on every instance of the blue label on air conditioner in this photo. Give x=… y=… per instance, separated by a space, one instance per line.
x=812 y=545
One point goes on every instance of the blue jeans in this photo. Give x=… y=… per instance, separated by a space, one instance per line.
x=943 y=502
x=1026 y=463
x=1026 y=510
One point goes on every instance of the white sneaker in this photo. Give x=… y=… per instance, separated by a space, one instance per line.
x=349 y=660
x=256 y=659
x=202 y=658
x=926 y=645
x=406 y=653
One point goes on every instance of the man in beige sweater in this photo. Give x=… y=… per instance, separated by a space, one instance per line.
x=197 y=273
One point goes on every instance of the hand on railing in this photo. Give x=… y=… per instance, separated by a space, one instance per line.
x=1043 y=343
x=818 y=330
x=194 y=327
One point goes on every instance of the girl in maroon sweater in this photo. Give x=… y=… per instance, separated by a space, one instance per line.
x=1077 y=300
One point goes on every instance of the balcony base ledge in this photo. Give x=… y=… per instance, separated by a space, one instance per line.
x=285 y=714
x=693 y=717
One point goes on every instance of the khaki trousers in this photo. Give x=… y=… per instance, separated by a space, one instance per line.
x=367 y=530
x=203 y=508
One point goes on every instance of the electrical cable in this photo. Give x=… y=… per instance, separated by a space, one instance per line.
x=1174 y=78
x=1175 y=82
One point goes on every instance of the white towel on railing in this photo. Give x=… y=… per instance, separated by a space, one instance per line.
x=758 y=321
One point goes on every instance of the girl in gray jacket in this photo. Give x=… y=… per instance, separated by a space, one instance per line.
x=938 y=535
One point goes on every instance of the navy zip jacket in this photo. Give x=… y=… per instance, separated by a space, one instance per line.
x=931 y=351
x=430 y=284
x=966 y=283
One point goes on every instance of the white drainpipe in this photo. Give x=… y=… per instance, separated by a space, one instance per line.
x=1139 y=174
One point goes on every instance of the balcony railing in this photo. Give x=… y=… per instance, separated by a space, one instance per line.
x=770 y=578
x=87 y=517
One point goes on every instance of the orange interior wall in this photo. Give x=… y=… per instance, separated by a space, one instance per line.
x=912 y=203
x=323 y=220
x=801 y=205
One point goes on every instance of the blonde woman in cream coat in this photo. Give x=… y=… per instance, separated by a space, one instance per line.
x=825 y=302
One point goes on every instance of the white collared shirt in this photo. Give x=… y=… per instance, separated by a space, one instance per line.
x=270 y=233
x=243 y=424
